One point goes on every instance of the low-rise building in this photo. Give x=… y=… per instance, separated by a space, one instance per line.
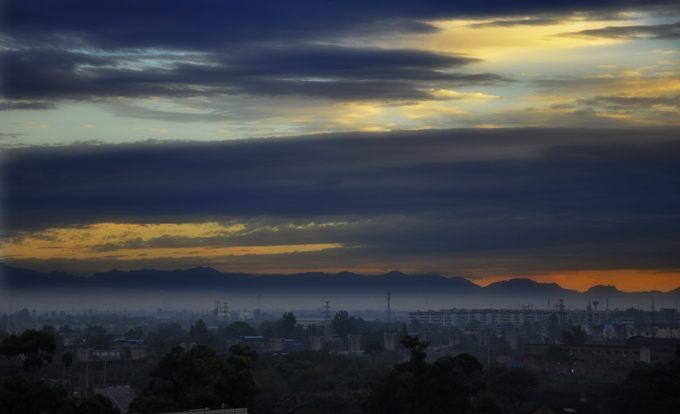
x=460 y=317
x=593 y=361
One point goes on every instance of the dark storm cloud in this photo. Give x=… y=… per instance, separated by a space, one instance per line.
x=338 y=73
x=656 y=32
x=210 y=24
x=427 y=193
x=83 y=49
x=523 y=200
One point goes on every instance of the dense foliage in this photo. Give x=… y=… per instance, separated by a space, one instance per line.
x=416 y=386
x=199 y=378
x=22 y=393
x=648 y=389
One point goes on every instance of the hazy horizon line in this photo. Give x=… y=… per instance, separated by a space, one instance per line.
x=364 y=274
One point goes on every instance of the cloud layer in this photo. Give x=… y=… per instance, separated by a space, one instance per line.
x=605 y=196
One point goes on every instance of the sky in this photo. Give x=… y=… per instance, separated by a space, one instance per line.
x=488 y=140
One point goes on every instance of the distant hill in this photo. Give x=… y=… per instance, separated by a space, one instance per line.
x=208 y=279
x=527 y=287
x=603 y=290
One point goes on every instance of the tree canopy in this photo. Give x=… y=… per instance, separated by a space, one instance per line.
x=197 y=379
x=416 y=386
x=32 y=348
x=575 y=336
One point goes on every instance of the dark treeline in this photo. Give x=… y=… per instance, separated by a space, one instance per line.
x=41 y=375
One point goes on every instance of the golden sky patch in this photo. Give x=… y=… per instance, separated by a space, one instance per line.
x=87 y=242
x=627 y=280
x=514 y=42
x=34 y=124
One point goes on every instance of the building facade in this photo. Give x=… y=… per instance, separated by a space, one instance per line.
x=599 y=362
x=460 y=317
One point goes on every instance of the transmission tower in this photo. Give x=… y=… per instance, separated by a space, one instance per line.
x=561 y=309
x=326 y=318
x=653 y=331
x=389 y=310
x=225 y=311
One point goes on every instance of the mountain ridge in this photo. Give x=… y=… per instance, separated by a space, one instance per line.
x=206 y=278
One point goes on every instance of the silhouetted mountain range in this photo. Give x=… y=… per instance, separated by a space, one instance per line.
x=208 y=279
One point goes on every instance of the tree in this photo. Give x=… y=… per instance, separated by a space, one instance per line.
x=575 y=336
x=152 y=405
x=446 y=385
x=95 y=330
x=287 y=326
x=237 y=330
x=553 y=326
x=21 y=396
x=343 y=325
x=67 y=360
x=648 y=389
x=511 y=386
x=473 y=326
x=167 y=337
x=200 y=332
x=373 y=348
x=199 y=378
x=32 y=348
x=96 y=404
